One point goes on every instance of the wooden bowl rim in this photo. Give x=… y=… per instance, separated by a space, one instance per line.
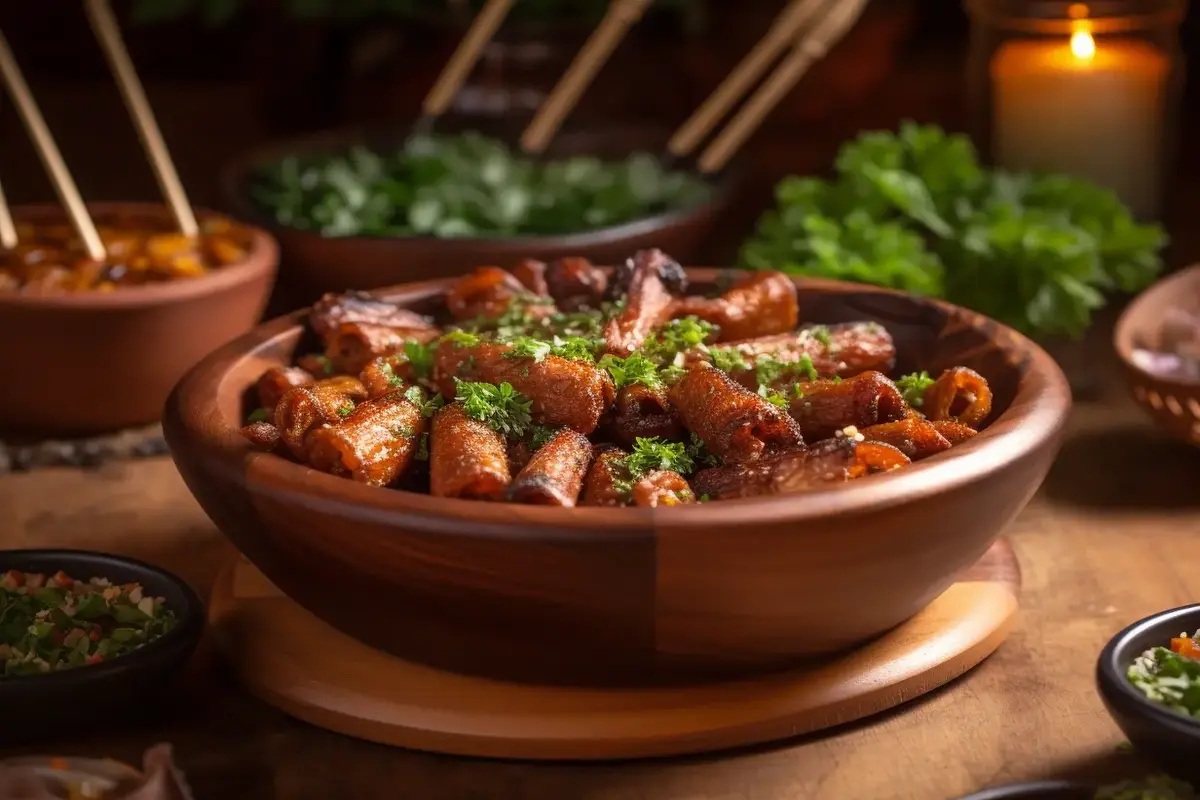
x=1127 y=326
x=235 y=173
x=1036 y=417
x=261 y=260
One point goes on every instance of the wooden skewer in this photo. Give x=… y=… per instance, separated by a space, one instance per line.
x=620 y=16
x=783 y=31
x=482 y=29
x=47 y=150
x=808 y=49
x=104 y=25
x=8 y=230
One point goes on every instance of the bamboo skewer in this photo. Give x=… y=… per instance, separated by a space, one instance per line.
x=808 y=49
x=783 y=32
x=600 y=45
x=8 y=230
x=47 y=150
x=104 y=25
x=466 y=55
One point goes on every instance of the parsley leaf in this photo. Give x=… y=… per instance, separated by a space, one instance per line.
x=728 y=359
x=540 y=436
x=345 y=410
x=420 y=357
x=416 y=396
x=259 y=415
x=573 y=348
x=422 y=453
x=655 y=454
x=916 y=210
x=635 y=368
x=526 y=347
x=913 y=387
x=774 y=398
x=698 y=451
x=767 y=370
x=462 y=338
x=677 y=336
x=501 y=407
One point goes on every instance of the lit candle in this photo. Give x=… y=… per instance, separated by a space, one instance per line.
x=1084 y=108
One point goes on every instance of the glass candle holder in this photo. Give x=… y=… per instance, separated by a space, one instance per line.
x=1086 y=89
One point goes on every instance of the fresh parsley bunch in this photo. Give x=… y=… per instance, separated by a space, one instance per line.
x=916 y=211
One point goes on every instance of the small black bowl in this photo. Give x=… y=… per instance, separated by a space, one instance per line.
x=1161 y=734
x=1035 y=790
x=115 y=691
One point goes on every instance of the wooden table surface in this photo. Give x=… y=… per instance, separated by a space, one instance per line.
x=1110 y=538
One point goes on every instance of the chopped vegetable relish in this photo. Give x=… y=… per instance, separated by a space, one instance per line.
x=1171 y=677
x=51 y=623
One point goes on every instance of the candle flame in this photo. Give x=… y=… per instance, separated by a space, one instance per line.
x=1083 y=46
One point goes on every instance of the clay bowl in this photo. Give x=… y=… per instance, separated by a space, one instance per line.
x=627 y=596
x=314 y=264
x=125 y=688
x=96 y=362
x=1173 y=402
x=1169 y=738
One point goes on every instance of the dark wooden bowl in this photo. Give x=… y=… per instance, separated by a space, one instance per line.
x=94 y=362
x=1163 y=735
x=314 y=264
x=1174 y=403
x=125 y=688
x=597 y=595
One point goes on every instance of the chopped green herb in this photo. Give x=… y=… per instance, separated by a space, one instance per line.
x=677 y=336
x=821 y=334
x=402 y=432
x=655 y=454
x=699 y=454
x=1153 y=787
x=635 y=368
x=728 y=359
x=422 y=453
x=1169 y=678
x=461 y=338
x=913 y=387
x=389 y=372
x=416 y=396
x=526 y=347
x=540 y=436
x=774 y=398
x=573 y=348
x=52 y=623
x=420 y=358
x=501 y=407
x=704 y=498
x=259 y=415
x=768 y=370
x=345 y=410
x=322 y=363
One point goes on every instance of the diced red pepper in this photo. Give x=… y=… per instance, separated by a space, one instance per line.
x=1186 y=646
x=63 y=579
x=14 y=577
x=95 y=658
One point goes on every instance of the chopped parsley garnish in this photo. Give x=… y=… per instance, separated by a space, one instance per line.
x=699 y=454
x=416 y=396
x=774 y=398
x=502 y=407
x=259 y=415
x=345 y=410
x=389 y=372
x=821 y=334
x=655 y=454
x=767 y=370
x=677 y=336
x=420 y=358
x=461 y=338
x=422 y=453
x=322 y=363
x=913 y=387
x=728 y=359
x=1170 y=677
x=704 y=498
x=635 y=368
x=540 y=436
x=573 y=348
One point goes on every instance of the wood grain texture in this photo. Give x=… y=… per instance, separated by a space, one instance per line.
x=297 y=663
x=599 y=596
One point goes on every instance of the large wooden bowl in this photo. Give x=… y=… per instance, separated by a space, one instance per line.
x=609 y=596
x=95 y=362
x=314 y=264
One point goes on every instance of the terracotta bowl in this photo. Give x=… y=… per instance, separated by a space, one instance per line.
x=618 y=596
x=89 y=363
x=314 y=264
x=1173 y=402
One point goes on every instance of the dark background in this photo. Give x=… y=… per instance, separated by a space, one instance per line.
x=219 y=91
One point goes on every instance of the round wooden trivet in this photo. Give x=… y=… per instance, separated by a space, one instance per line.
x=19 y=455
x=295 y=662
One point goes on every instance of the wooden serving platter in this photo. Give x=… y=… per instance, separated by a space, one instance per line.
x=295 y=662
